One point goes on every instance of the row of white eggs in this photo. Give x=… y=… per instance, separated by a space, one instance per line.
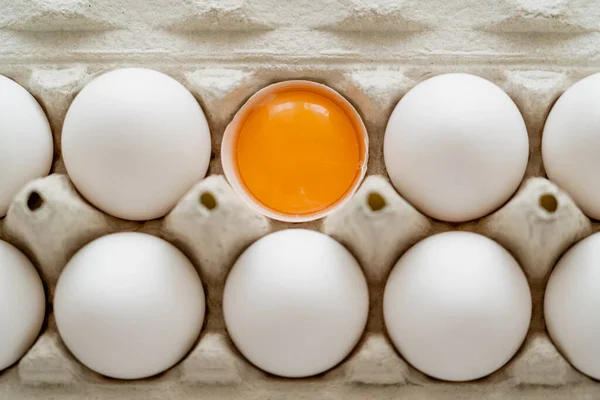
x=135 y=140
x=457 y=305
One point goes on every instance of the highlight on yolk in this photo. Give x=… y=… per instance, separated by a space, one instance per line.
x=299 y=150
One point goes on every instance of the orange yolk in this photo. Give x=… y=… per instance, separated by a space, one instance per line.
x=298 y=152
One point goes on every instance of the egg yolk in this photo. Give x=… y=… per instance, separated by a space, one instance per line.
x=298 y=152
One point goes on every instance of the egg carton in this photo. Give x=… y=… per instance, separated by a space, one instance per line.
x=372 y=52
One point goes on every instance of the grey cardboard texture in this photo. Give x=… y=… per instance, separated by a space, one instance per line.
x=372 y=52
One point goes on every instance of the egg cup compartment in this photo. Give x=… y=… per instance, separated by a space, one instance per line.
x=49 y=221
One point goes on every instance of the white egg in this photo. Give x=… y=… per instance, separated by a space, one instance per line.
x=129 y=305
x=22 y=304
x=134 y=142
x=296 y=303
x=26 y=150
x=456 y=147
x=457 y=306
x=571 y=144
x=571 y=305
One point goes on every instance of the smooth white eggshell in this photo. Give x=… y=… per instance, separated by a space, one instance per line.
x=22 y=304
x=571 y=144
x=456 y=147
x=296 y=303
x=129 y=305
x=457 y=306
x=571 y=305
x=134 y=142
x=26 y=147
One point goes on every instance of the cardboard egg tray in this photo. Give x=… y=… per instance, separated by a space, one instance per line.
x=372 y=52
